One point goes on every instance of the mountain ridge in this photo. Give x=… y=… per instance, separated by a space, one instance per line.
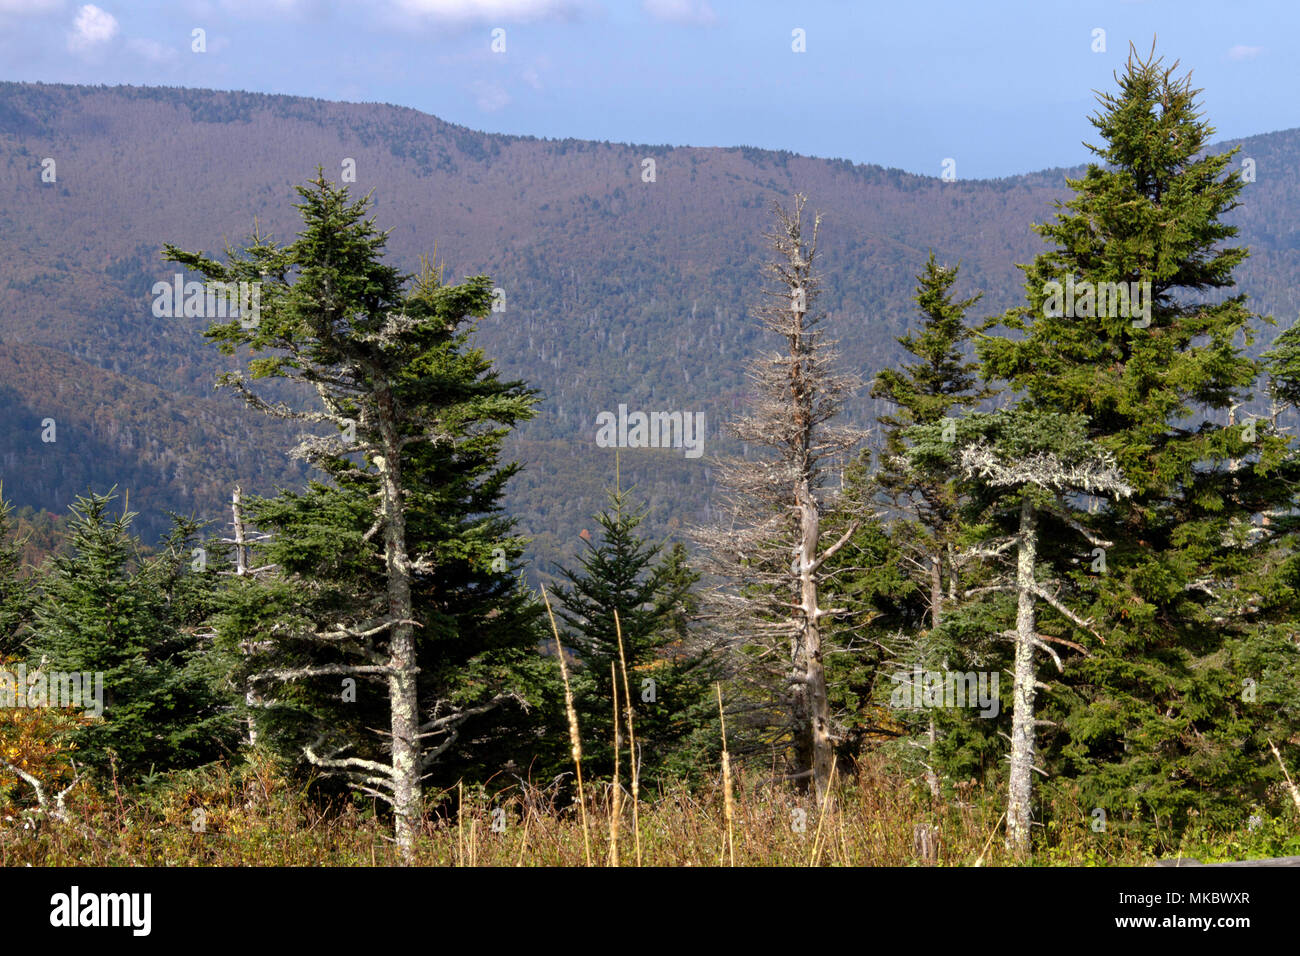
x=616 y=290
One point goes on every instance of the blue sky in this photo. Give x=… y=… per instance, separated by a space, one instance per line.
x=1001 y=87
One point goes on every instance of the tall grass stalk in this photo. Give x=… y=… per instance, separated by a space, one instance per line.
x=821 y=817
x=575 y=741
x=635 y=768
x=728 y=805
x=1295 y=794
x=614 y=796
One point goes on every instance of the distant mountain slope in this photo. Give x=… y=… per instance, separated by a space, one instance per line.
x=617 y=290
x=66 y=425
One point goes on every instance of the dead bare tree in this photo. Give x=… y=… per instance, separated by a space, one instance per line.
x=243 y=544
x=767 y=548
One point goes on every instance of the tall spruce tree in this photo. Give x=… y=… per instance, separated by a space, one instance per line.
x=397 y=607
x=919 y=497
x=943 y=381
x=1128 y=323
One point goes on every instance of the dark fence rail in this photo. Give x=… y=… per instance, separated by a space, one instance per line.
x=1274 y=861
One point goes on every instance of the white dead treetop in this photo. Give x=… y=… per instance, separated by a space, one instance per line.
x=1097 y=475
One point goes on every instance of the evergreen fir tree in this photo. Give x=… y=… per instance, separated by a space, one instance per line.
x=397 y=606
x=944 y=379
x=1020 y=465
x=1153 y=725
x=107 y=611
x=667 y=673
x=901 y=568
x=16 y=596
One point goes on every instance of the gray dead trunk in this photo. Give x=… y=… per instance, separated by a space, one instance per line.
x=402 y=688
x=821 y=751
x=936 y=615
x=1020 y=782
x=251 y=697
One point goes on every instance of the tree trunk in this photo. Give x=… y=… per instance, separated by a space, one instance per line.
x=936 y=615
x=818 y=719
x=402 y=690
x=1020 y=783
x=803 y=740
x=237 y=520
x=251 y=697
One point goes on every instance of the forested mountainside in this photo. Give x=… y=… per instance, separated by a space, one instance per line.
x=615 y=289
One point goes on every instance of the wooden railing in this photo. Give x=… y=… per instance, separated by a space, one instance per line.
x=1274 y=861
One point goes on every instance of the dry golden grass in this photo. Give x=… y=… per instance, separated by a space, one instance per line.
x=575 y=739
x=253 y=816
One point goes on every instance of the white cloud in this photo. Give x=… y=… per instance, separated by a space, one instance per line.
x=1240 y=52
x=92 y=28
x=152 y=51
x=29 y=7
x=490 y=10
x=686 y=12
x=271 y=9
x=491 y=97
